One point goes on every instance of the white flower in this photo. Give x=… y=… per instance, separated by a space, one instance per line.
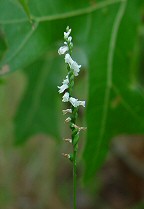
x=76 y=103
x=67 y=111
x=66 y=34
x=68 y=140
x=75 y=67
x=68 y=59
x=67 y=120
x=65 y=97
x=82 y=103
x=62 y=88
x=66 y=81
x=63 y=50
x=66 y=155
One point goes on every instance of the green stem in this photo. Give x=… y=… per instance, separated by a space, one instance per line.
x=74 y=133
x=75 y=147
x=74 y=179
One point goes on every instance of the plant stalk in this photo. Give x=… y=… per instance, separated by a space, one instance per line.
x=74 y=178
x=75 y=148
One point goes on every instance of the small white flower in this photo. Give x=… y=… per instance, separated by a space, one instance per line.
x=66 y=34
x=63 y=50
x=82 y=103
x=68 y=59
x=66 y=155
x=79 y=128
x=75 y=67
x=62 y=88
x=76 y=103
x=66 y=81
x=68 y=140
x=65 y=97
x=67 y=111
x=67 y=120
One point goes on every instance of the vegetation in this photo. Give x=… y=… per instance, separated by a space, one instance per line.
x=108 y=42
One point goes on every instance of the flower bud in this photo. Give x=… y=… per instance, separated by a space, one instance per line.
x=68 y=156
x=67 y=120
x=78 y=127
x=68 y=140
x=67 y=111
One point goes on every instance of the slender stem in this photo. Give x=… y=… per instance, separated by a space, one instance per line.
x=74 y=134
x=74 y=179
x=75 y=148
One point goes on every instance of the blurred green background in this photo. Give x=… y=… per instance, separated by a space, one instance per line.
x=108 y=37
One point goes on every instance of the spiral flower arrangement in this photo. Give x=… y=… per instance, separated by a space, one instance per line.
x=73 y=69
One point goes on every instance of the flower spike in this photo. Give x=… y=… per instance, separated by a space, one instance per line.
x=66 y=88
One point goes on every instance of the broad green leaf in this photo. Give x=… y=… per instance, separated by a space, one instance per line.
x=38 y=112
x=116 y=102
x=22 y=38
x=10 y=11
x=3 y=45
x=21 y=52
x=24 y=4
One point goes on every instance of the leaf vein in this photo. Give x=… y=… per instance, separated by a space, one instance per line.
x=78 y=12
x=112 y=45
x=20 y=47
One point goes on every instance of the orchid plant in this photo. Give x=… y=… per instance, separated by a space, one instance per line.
x=66 y=89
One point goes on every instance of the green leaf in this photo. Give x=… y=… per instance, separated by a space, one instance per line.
x=116 y=102
x=10 y=11
x=38 y=112
x=3 y=45
x=21 y=53
x=50 y=20
x=24 y=4
x=106 y=31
